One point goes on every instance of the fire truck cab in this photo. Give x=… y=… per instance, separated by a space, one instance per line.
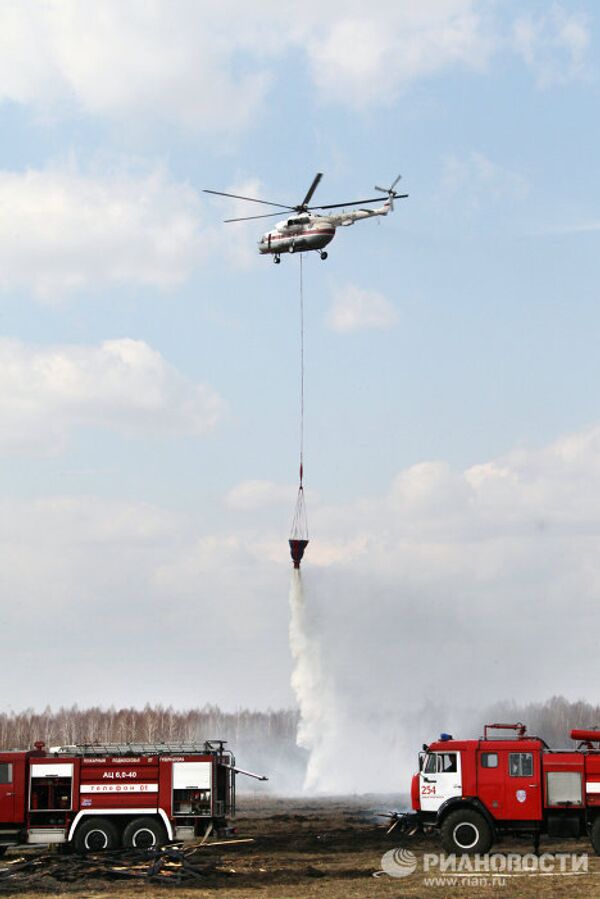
x=472 y=791
x=104 y=796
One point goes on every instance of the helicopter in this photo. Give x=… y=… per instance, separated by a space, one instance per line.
x=306 y=230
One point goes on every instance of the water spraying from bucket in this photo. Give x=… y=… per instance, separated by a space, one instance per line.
x=310 y=685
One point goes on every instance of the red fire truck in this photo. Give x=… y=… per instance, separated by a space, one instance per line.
x=472 y=791
x=103 y=796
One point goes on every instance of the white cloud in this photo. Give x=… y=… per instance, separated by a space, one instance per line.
x=356 y=309
x=209 y=66
x=365 y=58
x=61 y=230
x=130 y=60
x=123 y=385
x=554 y=45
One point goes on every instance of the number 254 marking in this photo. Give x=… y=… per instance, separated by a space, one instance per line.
x=428 y=790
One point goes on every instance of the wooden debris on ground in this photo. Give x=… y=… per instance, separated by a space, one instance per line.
x=172 y=864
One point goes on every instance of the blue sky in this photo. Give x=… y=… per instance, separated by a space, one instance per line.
x=149 y=392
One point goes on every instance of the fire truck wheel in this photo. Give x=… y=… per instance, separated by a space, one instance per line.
x=466 y=831
x=595 y=835
x=96 y=834
x=144 y=833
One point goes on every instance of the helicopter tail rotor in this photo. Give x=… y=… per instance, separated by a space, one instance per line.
x=392 y=195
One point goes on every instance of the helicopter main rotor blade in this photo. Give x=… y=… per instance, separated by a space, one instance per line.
x=311 y=189
x=247 y=218
x=358 y=202
x=349 y=203
x=220 y=193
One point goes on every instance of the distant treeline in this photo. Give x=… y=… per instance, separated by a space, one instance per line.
x=263 y=732
x=66 y=726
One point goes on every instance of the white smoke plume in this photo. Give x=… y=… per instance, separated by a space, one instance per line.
x=313 y=692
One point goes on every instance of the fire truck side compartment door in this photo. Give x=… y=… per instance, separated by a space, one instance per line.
x=192 y=788
x=51 y=786
x=7 y=791
x=564 y=788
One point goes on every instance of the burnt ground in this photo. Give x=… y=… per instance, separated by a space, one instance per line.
x=316 y=848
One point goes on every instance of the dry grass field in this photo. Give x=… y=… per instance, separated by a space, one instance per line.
x=324 y=848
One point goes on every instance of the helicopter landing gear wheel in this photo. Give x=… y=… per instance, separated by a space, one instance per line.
x=324 y=255
x=276 y=260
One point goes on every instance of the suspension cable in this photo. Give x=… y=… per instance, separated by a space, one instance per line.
x=299 y=535
x=301 y=372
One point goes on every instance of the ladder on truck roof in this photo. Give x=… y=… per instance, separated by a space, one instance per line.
x=206 y=747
